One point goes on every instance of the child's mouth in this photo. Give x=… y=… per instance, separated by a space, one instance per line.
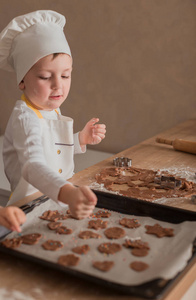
x=56 y=97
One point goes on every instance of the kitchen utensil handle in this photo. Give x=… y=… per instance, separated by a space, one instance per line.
x=164 y=141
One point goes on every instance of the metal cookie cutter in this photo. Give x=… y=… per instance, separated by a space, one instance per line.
x=168 y=182
x=122 y=162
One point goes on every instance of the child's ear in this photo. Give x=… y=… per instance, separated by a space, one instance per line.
x=22 y=85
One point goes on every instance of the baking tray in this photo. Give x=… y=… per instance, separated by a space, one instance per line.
x=127 y=205
x=153 y=289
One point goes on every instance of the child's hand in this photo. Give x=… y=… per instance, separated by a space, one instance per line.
x=92 y=133
x=12 y=217
x=81 y=200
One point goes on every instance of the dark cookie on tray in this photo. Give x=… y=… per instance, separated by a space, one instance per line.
x=31 y=239
x=103 y=266
x=51 y=215
x=81 y=249
x=97 y=224
x=64 y=216
x=129 y=223
x=139 y=266
x=54 y=225
x=159 y=231
x=52 y=245
x=63 y=230
x=139 y=251
x=87 y=234
x=109 y=248
x=114 y=233
x=12 y=243
x=138 y=243
x=69 y=260
x=102 y=214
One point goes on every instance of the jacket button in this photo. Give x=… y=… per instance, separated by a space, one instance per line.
x=60 y=170
x=58 y=151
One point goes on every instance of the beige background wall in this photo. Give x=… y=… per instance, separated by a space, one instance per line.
x=134 y=64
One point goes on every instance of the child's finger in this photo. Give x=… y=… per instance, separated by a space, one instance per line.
x=84 y=214
x=86 y=208
x=13 y=228
x=6 y=223
x=20 y=216
x=14 y=224
x=100 y=126
x=20 y=219
x=101 y=131
x=96 y=140
x=99 y=135
x=14 y=216
x=98 y=130
x=93 y=121
x=91 y=198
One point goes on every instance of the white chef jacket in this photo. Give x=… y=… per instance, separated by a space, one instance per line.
x=23 y=152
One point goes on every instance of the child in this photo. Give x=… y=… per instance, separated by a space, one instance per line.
x=39 y=143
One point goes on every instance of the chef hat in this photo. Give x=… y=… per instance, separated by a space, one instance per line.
x=30 y=37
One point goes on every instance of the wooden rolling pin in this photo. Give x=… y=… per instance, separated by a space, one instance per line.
x=179 y=144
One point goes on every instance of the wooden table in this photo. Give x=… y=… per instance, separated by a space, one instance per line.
x=28 y=281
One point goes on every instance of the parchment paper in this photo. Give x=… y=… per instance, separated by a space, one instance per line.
x=167 y=256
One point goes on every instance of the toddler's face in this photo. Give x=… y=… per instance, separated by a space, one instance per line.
x=47 y=83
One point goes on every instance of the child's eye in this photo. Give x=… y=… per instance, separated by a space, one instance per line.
x=66 y=77
x=44 y=78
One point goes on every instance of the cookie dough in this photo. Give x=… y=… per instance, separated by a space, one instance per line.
x=144 y=184
x=31 y=239
x=129 y=223
x=51 y=215
x=102 y=214
x=69 y=260
x=129 y=243
x=54 y=225
x=114 y=233
x=81 y=249
x=103 y=266
x=139 y=266
x=12 y=243
x=63 y=230
x=159 y=231
x=87 y=234
x=97 y=224
x=139 y=251
x=64 y=216
x=109 y=248
x=52 y=245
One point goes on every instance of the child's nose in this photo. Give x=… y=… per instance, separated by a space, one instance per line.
x=56 y=84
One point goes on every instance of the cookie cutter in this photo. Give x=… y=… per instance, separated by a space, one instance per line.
x=122 y=162
x=168 y=182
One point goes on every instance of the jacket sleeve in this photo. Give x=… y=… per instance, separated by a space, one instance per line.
x=29 y=155
x=77 y=147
